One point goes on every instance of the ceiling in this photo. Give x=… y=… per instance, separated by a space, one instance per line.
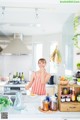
x=33 y=17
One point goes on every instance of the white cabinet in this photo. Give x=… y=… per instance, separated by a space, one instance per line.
x=50 y=89
x=2 y=84
x=1 y=89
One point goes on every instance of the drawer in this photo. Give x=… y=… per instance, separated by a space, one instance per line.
x=70 y=107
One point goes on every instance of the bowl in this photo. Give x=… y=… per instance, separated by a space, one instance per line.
x=63 y=82
x=71 y=82
x=78 y=83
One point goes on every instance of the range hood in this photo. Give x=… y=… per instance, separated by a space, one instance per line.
x=16 y=47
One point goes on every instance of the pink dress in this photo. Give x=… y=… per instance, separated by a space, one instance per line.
x=38 y=87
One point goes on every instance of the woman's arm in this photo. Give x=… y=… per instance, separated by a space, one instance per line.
x=47 y=77
x=31 y=82
x=43 y=78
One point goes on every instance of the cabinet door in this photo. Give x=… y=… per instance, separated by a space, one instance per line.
x=50 y=90
x=70 y=107
x=1 y=89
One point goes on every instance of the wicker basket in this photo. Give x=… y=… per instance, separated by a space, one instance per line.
x=63 y=82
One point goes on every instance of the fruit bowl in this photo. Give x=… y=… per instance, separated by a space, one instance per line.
x=65 y=82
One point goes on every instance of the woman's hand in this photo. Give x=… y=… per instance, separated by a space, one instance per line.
x=26 y=87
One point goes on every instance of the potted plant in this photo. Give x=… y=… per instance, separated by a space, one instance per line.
x=77 y=35
x=78 y=66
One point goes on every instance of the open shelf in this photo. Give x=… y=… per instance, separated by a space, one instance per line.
x=68 y=106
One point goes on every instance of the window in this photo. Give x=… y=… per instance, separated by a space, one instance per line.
x=68 y=59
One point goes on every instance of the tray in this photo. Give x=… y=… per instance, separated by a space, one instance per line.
x=49 y=111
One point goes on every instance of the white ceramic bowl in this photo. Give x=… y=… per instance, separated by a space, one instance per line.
x=71 y=82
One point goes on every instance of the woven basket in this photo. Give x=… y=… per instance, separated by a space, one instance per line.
x=63 y=82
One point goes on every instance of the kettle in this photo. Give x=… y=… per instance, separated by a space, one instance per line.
x=78 y=74
x=51 y=80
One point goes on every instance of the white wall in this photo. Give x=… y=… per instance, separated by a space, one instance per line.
x=13 y=64
x=67 y=36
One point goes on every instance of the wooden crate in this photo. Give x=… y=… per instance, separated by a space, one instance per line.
x=68 y=106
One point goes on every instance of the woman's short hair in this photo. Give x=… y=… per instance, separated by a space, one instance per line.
x=43 y=60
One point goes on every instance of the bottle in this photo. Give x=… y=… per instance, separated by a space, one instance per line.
x=45 y=105
x=16 y=75
x=47 y=97
x=42 y=100
x=71 y=91
x=22 y=77
x=73 y=96
x=19 y=77
x=10 y=77
x=53 y=105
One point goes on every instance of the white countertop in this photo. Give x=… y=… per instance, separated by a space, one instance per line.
x=15 y=85
x=3 y=83
x=48 y=85
x=31 y=112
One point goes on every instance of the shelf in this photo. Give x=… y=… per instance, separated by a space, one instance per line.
x=62 y=95
x=68 y=106
x=70 y=102
x=73 y=85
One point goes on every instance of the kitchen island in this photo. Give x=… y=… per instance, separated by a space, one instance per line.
x=30 y=111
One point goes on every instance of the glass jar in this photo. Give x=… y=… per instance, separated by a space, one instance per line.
x=42 y=100
x=53 y=104
x=46 y=105
x=65 y=91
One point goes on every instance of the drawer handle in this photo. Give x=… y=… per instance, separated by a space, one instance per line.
x=72 y=107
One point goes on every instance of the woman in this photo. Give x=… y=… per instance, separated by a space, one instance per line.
x=39 y=79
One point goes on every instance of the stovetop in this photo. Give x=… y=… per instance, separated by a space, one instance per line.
x=14 y=82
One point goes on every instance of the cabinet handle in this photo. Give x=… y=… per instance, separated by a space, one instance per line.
x=72 y=107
